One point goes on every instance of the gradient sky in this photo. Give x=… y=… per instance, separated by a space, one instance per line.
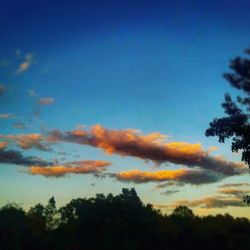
x=151 y=66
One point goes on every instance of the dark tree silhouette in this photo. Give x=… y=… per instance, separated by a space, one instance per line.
x=246 y=199
x=119 y=222
x=183 y=212
x=236 y=124
x=50 y=213
x=37 y=220
x=15 y=231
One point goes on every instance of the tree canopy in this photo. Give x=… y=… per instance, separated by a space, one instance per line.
x=117 y=222
x=235 y=124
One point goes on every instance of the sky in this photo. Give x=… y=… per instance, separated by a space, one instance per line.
x=99 y=95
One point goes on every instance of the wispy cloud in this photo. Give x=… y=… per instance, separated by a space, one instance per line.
x=239 y=193
x=170 y=192
x=3 y=144
x=168 y=184
x=77 y=167
x=46 y=101
x=230 y=197
x=240 y=184
x=28 y=141
x=17 y=158
x=19 y=125
x=25 y=64
x=192 y=176
x=211 y=202
x=2 y=89
x=32 y=93
x=148 y=147
x=7 y=116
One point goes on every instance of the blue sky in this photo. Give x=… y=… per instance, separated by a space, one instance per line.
x=155 y=66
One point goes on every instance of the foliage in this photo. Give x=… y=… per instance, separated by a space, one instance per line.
x=117 y=222
x=246 y=199
x=183 y=212
x=236 y=124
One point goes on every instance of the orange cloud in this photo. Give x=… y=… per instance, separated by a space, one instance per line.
x=235 y=192
x=27 y=141
x=231 y=197
x=25 y=64
x=148 y=147
x=3 y=144
x=179 y=175
x=211 y=202
x=78 y=167
x=46 y=101
x=212 y=149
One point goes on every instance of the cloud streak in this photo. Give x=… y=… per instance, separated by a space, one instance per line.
x=170 y=192
x=7 y=116
x=148 y=147
x=16 y=157
x=46 y=101
x=193 y=176
x=211 y=202
x=240 y=184
x=2 y=89
x=239 y=193
x=77 y=167
x=168 y=184
x=3 y=144
x=25 y=64
x=230 y=197
x=32 y=93
x=19 y=125
x=28 y=141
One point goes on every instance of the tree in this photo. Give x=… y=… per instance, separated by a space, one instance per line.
x=50 y=213
x=15 y=232
x=246 y=199
x=44 y=217
x=121 y=222
x=183 y=212
x=236 y=123
x=37 y=219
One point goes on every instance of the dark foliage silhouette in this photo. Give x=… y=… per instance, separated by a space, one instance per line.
x=246 y=199
x=236 y=124
x=117 y=222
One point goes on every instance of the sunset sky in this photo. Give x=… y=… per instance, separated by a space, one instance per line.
x=99 y=95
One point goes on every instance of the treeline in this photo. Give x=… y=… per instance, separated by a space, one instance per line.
x=120 y=222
